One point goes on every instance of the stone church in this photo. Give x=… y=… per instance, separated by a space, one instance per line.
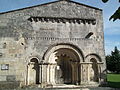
x=56 y=43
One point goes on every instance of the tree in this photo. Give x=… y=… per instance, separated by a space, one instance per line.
x=113 y=61
x=116 y=15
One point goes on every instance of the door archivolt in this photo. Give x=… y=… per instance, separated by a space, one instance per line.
x=68 y=63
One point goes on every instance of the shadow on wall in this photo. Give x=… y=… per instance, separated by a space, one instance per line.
x=9 y=85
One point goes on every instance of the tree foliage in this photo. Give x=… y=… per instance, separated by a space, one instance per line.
x=116 y=15
x=113 y=61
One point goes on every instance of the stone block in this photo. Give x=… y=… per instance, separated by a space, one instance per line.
x=2 y=78
x=11 y=78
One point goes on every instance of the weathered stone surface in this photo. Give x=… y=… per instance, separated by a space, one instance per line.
x=46 y=33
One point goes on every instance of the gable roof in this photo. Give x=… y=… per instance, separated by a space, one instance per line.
x=52 y=3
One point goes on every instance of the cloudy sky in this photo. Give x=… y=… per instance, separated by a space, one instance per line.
x=111 y=29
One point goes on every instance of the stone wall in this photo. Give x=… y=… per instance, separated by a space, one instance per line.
x=26 y=33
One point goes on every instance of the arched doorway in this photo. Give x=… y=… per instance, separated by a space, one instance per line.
x=68 y=63
x=33 y=72
x=63 y=65
x=95 y=65
x=94 y=71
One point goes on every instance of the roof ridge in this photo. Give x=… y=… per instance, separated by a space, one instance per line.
x=49 y=3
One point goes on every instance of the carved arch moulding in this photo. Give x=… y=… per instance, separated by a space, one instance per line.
x=71 y=47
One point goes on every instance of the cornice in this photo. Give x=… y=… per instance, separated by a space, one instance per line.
x=62 y=19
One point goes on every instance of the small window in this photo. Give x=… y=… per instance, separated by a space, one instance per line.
x=4 y=45
x=4 y=66
x=89 y=35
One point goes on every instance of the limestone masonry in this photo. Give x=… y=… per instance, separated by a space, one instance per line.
x=57 y=43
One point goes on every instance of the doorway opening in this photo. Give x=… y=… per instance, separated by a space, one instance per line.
x=94 y=77
x=68 y=67
x=33 y=71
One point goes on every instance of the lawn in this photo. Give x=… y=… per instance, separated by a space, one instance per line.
x=113 y=80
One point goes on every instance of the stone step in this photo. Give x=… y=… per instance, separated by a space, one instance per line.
x=67 y=88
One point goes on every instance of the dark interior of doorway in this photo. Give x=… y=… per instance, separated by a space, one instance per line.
x=36 y=68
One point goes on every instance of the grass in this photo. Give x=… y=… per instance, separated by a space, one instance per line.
x=113 y=80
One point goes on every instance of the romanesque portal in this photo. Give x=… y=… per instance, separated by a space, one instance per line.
x=64 y=65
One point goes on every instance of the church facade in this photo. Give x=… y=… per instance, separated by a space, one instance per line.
x=60 y=42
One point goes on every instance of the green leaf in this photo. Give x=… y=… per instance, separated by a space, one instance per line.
x=116 y=15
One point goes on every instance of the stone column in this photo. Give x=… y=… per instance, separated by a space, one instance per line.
x=31 y=74
x=89 y=72
x=44 y=74
x=84 y=73
x=99 y=71
x=79 y=73
x=41 y=72
x=76 y=72
x=48 y=74
x=28 y=72
x=40 y=76
x=54 y=66
x=52 y=74
x=73 y=79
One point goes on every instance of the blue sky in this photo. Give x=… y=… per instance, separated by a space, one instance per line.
x=111 y=29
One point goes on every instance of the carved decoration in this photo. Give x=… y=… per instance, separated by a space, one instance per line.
x=63 y=20
x=53 y=38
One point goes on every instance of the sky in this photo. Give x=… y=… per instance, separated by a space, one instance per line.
x=111 y=29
